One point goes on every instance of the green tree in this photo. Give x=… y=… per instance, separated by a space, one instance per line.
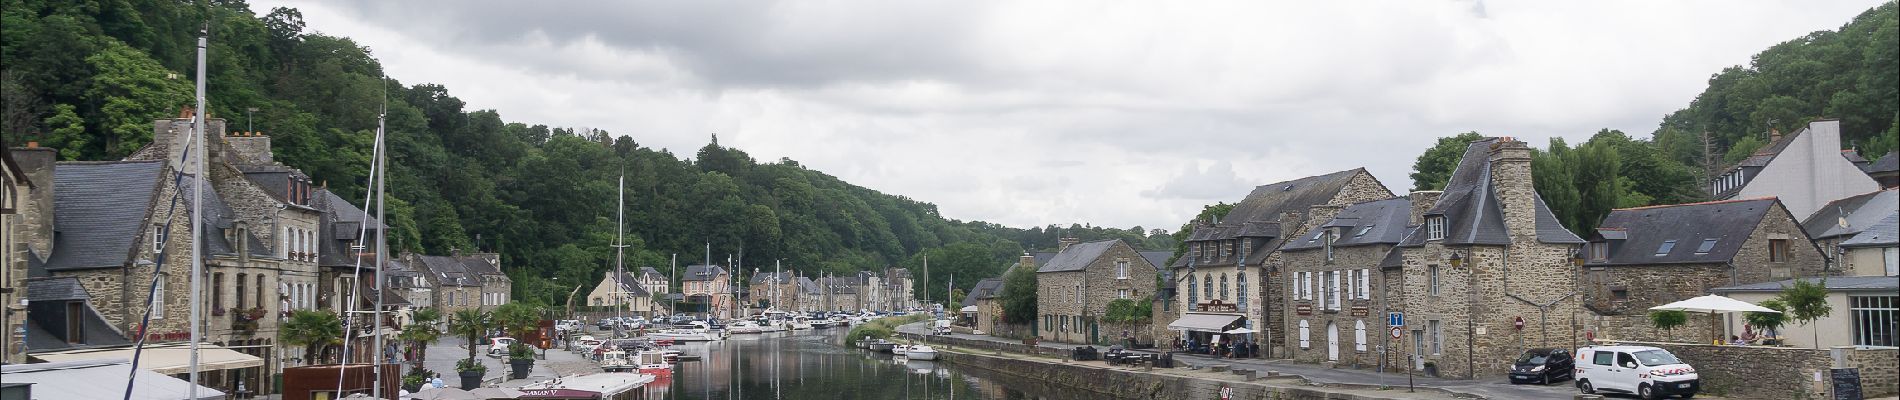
x=1433 y=169
x=1766 y=321
x=422 y=331
x=1129 y=310
x=1018 y=296
x=472 y=325
x=1806 y=302
x=1667 y=319
x=315 y=330
x=132 y=90
x=1215 y=211
x=68 y=132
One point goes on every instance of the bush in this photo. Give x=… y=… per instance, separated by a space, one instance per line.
x=1768 y=322
x=879 y=329
x=520 y=351
x=467 y=365
x=1667 y=320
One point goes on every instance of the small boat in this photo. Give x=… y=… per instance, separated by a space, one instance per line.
x=698 y=332
x=881 y=346
x=900 y=350
x=616 y=361
x=820 y=323
x=653 y=362
x=800 y=323
x=744 y=327
x=920 y=352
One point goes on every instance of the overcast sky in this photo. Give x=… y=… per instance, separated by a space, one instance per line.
x=1037 y=112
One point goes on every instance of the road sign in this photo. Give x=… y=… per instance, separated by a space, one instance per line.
x=1396 y=330
x=1395 y=319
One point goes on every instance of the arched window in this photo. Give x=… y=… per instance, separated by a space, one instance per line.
x=1193 y=291
x=1240 y=291
x=1223 y=286
x=1207 y=286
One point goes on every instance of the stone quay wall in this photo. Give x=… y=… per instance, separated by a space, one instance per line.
x=1760 y=372
x=1085 y=381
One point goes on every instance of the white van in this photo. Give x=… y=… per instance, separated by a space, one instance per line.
x=1648 y=372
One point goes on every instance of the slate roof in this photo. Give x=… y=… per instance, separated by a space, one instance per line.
x=450 y=271
x=1839 y=283
x=218 y=216
x=47 y=298
x=983 y=289
x=702 y=273
x=1394 y=258
x=99 y=211
x=1881 y=234
x=1157 y=258
x=805 y=284
x=1077 y=256
x=340 y=223
x=630 y=285
x=1886 y=163
x=769 y=277
x=1372 y=222
x=1685 y=227
x=651 y=274
x=1471 y=208
x=1258 y=215
x=1849 y=216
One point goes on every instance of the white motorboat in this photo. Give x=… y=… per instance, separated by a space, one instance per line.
x=744 y=327
x=800 y=323
x=920 y=352
x=900 y=350
x=685 y=335
x=616 y=361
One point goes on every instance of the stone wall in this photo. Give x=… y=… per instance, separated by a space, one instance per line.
x=1091 y=381
x=1757 y=372
x=1352 y=313
x=1805 y=259
x=1099 y=286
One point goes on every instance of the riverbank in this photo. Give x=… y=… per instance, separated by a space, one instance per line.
x=1067 y=379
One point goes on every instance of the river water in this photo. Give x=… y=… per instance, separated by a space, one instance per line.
x=814 y=365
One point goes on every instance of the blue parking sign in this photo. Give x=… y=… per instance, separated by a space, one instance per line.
x=1395 y=319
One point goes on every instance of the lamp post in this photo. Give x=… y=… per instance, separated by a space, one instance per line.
x=247 y=118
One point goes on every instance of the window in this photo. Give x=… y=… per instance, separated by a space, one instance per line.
x=1777 y=250
x=260 y=290
x=1240 y=291
x=240 y=291
x=75 y=311
x=1431 y=279
x=1197 y=251
x=1329 y=246
x=1245 y=244
x=1363 y=230
x=1602 y=358
x=1625 y=360
x=1435 y=227
x=1121 y=293
x=158 y=296
x=1321 y=298
x=1194 y=295
x=1365 y=283
x=1306 y=338
x=1121 y=269
x=1223 y=286
x=1207 y=286
x=1437 y=336
x=1339 y=288
x=1666 y=246
x=217 y=292
x=158 y=238
x=1707 y=244
x=1600 y=250
x=1359 y=335
x=1874 y=323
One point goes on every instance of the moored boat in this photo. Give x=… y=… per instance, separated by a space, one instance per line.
x=920 y=352
x=881 y=346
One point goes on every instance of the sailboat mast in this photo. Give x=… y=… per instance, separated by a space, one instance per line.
x=197 y=217
x=620 y=245
x=382 y=247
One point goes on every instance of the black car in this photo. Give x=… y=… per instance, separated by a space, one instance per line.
x=1543 y=366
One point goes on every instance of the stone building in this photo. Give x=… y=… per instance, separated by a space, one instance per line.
x=774 y=290
x=1242 y=250
x=623 y=291
x=982 y=295
x=840 y=294
x=810 y=296
x=708 y=289
x=1339 y=291
x=15 y=189
x=1649 y=256
x=899 y=291
x=1487 y=253
x=1885 y=170
x=1805 y=170
x=1841 y=219
x=653 y=281
x=1074 y=288
x=471 y=282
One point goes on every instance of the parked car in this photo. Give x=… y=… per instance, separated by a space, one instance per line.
x=1648 y=372
x=498 y=347
x=567 y=325
x=1543 y=366
x=606 y=323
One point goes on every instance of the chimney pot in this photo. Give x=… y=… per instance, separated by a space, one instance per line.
x=32 y=145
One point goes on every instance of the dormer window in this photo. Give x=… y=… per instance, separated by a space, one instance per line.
x=1599 y=251
x=1362 y=231
x=1435 y=227
x=1667 y=245
x=158 y=238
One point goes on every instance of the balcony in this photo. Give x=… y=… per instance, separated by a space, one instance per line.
x=245 y=321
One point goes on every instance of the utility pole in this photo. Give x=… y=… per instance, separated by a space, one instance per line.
x=197 y=214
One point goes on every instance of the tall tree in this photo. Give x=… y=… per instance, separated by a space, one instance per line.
x=1433 y=168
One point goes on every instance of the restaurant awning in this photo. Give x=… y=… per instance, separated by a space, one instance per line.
x=100 y=379
x=1204 y=322
x=168 y=358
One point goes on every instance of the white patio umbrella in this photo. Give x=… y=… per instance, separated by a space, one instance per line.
x=443 y=394
x=492 y=393
x=1712 y=305
x=1238 y=331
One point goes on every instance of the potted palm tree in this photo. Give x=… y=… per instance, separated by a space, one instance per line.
x=471 y=325
x=315 y=330
x=419 y=334
x=518 y=320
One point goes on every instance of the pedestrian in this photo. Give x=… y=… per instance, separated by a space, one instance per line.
x=437 y=381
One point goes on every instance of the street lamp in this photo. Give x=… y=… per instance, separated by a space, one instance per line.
x=247 y=118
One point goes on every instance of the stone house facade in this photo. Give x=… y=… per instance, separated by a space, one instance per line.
x=1243 y=248
x=459 y=282
x=624 y=292
x=708 y=287
x=774 y=290
x=1338 y=297
x=1487 y=254
x=15 y=192
x=1649 y=256
x=1075 y=287
x=982 y=295
x=840 y=294
x=653 y=281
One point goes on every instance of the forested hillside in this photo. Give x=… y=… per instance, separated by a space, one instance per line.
x=89 y=78
x=1850 y=74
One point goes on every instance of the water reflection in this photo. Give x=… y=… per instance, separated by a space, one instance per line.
x=803 y=365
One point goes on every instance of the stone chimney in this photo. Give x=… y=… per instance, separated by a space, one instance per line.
x=1421 y=201
x=1511 y=181
x=1064 y=243
x=1319 y=214
x=170 y=135
x=252 y=148
x=1028 y=262
x=455 y=251
x=36 y=207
